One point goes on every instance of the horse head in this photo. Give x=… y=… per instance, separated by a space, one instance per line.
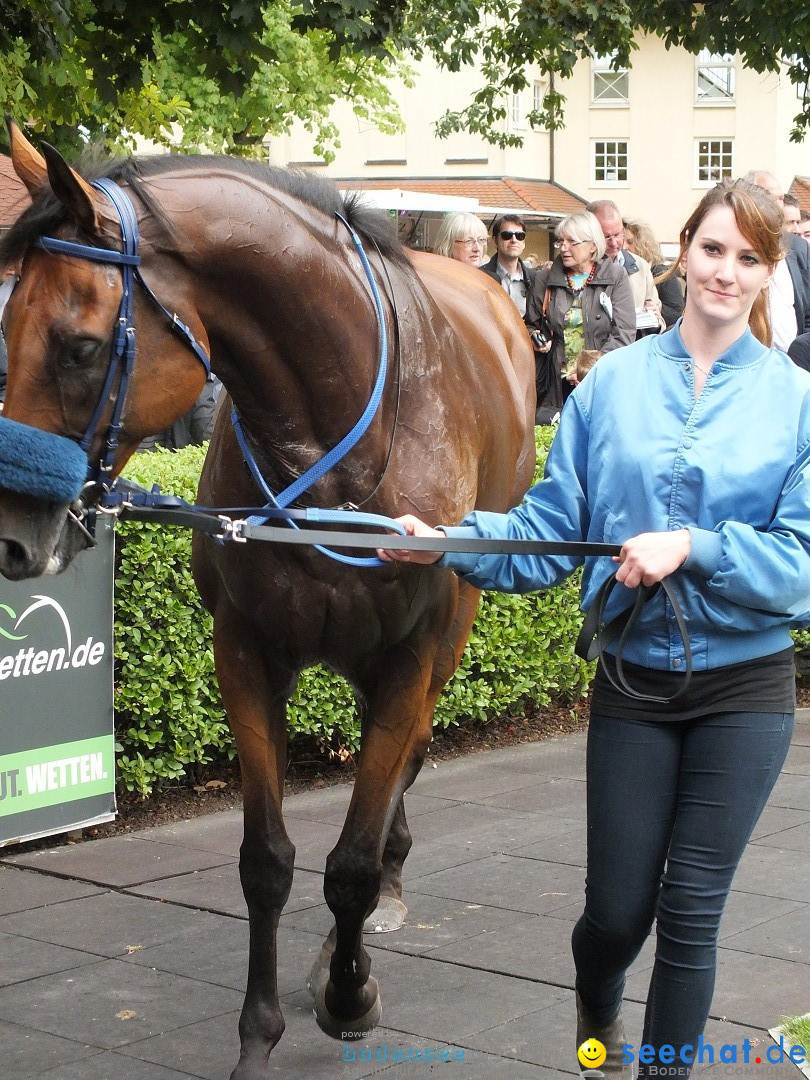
x=81 y=395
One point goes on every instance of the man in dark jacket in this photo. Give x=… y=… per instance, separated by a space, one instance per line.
x=506 y=265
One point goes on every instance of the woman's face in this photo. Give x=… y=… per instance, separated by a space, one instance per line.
x=577 y=255
x=724 y=274
x=630 y=240
x=470 y=248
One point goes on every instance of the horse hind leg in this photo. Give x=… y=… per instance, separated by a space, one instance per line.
x=391 y=910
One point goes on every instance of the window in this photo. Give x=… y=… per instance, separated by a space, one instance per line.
x=538 y=93
x=796 y=70
x=714 y=159
x=715 y=78
x=609 y=161
x=608 y=87
x=515 y=111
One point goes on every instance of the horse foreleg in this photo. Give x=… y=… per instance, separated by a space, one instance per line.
x=257 y=714
x=396 y=738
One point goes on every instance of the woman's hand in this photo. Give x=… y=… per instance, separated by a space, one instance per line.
x=413 y=527
x=649 y=557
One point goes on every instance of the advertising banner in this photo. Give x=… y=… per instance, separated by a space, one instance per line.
x=57 y=757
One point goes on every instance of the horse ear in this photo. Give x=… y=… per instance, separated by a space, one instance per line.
x=74 y=193
x=28 y=163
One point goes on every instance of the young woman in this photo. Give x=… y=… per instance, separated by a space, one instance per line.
x=692 y=450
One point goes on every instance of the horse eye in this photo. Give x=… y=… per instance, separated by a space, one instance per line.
x=80 y=351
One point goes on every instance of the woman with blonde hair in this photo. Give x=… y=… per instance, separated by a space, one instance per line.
x=583 y=300
x=462 y=237
x=693 y=700
x=639 y=239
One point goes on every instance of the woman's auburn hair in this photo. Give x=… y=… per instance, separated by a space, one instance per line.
x=760 y=219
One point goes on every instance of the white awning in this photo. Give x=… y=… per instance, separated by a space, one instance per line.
x=427 y=202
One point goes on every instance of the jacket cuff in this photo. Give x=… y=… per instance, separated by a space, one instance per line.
x=463 y=562
x=706 y=552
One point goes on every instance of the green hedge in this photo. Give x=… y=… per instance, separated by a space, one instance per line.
x=169 y=720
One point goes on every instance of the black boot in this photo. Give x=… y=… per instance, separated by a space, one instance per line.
x=612 y=1038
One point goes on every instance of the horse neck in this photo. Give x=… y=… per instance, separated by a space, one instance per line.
x=292 y=325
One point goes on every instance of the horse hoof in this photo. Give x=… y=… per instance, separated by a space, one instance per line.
x=318 y=977
x=388 y=915
x=319 y=972
x=348 y=1030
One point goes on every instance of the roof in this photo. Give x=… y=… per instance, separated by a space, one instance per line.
x=800 y=188
x=13 y=195
x=507 y=192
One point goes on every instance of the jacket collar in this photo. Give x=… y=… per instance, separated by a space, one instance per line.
x=629 y=262
x=746 y=351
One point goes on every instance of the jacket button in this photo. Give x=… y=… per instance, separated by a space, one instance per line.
x=676 y=662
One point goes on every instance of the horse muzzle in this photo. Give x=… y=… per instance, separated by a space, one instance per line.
x=41 y=475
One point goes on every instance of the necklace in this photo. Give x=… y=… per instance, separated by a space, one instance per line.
x=570 y=281
x=706 y=371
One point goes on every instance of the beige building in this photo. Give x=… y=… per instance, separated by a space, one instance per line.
x=652 y=138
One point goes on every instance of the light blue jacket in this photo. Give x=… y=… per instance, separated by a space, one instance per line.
x=636 y=453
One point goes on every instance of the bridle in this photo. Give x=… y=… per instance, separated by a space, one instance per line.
x=123 y=345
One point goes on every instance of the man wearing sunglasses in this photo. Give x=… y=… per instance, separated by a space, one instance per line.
x=506 y=265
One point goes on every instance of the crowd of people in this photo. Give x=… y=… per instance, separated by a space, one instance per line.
x=609 y=284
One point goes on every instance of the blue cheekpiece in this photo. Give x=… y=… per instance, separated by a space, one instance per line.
x=41 y=464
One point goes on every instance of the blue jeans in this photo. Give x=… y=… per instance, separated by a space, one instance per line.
x=671 y=806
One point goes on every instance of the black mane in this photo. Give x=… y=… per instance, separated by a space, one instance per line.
x=46 y=214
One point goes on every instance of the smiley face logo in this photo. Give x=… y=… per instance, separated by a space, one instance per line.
x=591 y=1054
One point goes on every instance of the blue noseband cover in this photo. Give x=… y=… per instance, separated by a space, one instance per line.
x=38 y=463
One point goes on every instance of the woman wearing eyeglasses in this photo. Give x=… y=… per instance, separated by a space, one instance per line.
x=587 y=303
x=462 y=237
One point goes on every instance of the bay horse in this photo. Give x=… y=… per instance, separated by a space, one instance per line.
x=260 y=269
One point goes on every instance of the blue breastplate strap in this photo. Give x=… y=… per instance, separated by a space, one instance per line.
x=338 y=452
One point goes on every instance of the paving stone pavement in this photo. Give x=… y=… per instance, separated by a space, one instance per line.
x=125 y=958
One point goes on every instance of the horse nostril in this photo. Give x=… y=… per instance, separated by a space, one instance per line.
x=14 y=560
